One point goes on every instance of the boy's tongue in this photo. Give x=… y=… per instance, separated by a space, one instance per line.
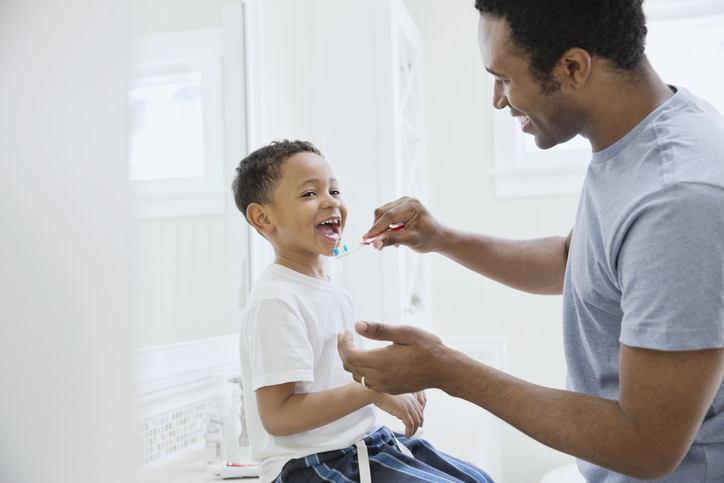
x=327 y=230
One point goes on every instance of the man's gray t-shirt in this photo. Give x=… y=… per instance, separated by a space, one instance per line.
x=646 y=263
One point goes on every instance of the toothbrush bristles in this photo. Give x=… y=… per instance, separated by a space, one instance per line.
x=338 y=251
x=341 y=252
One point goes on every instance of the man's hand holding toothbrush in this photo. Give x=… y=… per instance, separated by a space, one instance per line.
x=422 y=233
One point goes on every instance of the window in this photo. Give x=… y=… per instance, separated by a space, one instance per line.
x=167 y=129
x=690 y=53
x=175 y=124
x=685 y=45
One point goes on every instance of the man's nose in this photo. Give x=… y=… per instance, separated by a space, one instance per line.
x=499 y=99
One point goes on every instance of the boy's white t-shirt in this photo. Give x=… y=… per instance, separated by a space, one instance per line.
x=289 y=334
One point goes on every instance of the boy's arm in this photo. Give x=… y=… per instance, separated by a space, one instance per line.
x=406 y=407
x=284 y=412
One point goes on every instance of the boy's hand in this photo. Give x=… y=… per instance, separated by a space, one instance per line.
x=422 y=399
x=408 y=408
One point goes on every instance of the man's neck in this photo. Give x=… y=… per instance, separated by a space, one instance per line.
x=619 y=105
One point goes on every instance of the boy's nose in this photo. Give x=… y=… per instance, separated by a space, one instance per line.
x=331 y=202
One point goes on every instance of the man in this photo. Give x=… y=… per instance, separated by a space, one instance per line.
x=642 y=272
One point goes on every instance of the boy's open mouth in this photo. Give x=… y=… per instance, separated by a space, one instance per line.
x=330 y=228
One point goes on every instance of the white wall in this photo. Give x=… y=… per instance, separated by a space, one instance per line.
x=462 y=194
x=65 y=243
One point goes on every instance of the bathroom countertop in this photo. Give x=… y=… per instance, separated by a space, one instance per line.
x=188 y=469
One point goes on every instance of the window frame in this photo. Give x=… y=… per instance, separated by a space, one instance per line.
x=194 y=50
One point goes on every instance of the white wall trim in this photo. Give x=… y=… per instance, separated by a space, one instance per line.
x=178 y=205
x=255 y=30
x=255 y=24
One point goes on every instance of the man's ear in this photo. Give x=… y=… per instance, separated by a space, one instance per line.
x=574 y=67
x=259 y=218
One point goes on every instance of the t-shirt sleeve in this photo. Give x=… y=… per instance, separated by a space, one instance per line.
x=671 y=270
x=276 y=339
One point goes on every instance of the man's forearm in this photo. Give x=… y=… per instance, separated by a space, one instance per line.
x=594 y=429
x=569 y=422
x=535 y=266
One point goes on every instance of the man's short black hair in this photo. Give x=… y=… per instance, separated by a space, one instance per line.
x=258 y=174
x=545 y=29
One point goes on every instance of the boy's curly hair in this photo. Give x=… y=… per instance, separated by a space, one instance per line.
x=545 y=29
x=258 y=174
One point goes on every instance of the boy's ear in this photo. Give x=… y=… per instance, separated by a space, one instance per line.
x=259 y=219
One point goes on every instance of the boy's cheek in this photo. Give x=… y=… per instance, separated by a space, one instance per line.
x=343 y=212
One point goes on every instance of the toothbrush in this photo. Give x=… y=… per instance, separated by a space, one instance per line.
x=343 y=251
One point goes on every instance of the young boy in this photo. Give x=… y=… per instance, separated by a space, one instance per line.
x=307 y=418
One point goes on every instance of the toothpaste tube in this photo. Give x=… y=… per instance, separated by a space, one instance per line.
x=227 y=469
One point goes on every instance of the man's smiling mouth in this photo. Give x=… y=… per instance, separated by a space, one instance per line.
x=524 y=120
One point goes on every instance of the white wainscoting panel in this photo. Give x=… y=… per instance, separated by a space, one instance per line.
x=173 y=385
x=182 y=281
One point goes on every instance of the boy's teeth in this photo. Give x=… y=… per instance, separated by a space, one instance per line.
x=523 y=119
x=329 y=229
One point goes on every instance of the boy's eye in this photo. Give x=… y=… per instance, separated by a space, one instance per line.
x=334 y=192
x=308 y=194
